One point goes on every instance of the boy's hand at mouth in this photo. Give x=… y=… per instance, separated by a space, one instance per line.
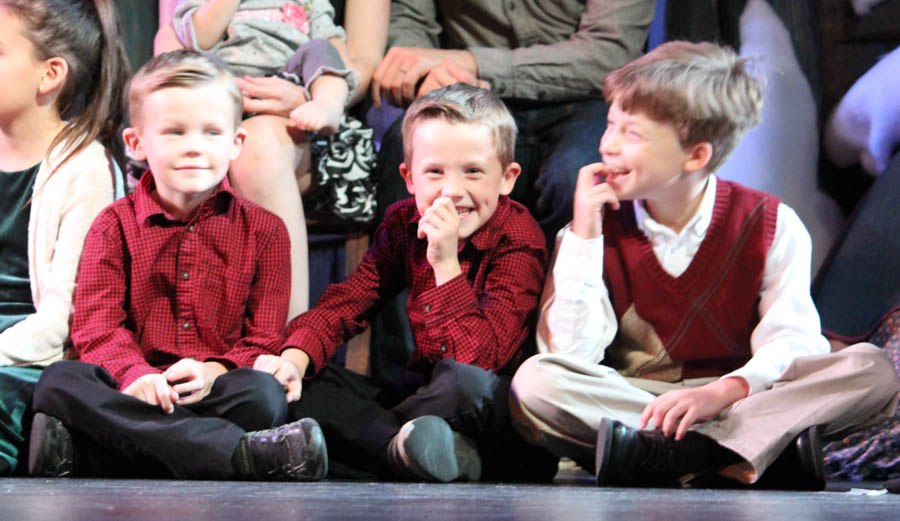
x=592 y=192
x=440 y=226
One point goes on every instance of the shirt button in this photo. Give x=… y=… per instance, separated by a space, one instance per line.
x=427 y=308
x=185 y=275
x=191 y=228
x=512 y=6
x=186 y=325
x=443 y=348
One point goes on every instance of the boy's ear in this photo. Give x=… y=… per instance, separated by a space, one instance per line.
x=239 y=137
x=133 y=142
x=698 y=156
x=509 y=178
x=407 y=176
x=56 y=70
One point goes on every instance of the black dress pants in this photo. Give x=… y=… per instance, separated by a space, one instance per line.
x=121 y=435
x=359 y=417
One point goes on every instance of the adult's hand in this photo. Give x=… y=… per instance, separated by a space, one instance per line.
x=271 y=95
x=399 y=73
x=447 y=73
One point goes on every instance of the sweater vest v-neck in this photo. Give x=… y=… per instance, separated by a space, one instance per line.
x=699 y=323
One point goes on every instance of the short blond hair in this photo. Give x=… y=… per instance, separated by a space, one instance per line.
x=462 y=103
x=182 y=68
x=706 y=91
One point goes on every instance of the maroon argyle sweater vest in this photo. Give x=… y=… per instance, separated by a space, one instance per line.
x=697 y=324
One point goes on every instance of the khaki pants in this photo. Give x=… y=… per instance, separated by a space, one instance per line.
x=559 y=401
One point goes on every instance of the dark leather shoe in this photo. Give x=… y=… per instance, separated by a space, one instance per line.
x=628 y=457
x=800 y=466
x=51 y=453
x=292 y=452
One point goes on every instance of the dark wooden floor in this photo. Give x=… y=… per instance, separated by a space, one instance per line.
x=98 y=499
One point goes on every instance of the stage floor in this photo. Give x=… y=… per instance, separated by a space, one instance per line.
x=101 y=499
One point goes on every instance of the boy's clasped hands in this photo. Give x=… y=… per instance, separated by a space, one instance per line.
x=185 y=382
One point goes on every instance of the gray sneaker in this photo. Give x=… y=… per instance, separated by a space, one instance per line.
x=292 y=452
x=427 y=448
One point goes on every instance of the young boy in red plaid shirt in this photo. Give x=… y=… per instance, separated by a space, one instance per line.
x=182 y=286
x=473 y=261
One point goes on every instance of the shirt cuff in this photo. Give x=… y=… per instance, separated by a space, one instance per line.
x=310 y=344
x=757 y=380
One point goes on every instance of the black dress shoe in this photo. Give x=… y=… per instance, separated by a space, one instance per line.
x=631 y=458
x=292 y=452
x=51 y=453
x=800 y=466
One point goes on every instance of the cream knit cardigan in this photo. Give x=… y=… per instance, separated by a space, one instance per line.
x=63 y=206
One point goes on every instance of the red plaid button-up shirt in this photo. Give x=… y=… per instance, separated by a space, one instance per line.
x=153 y=290
x=481 y=317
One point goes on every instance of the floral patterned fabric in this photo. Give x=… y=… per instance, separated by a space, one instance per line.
x=344 y=187
x=872 y=453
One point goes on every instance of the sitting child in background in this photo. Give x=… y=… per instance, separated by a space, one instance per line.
x=182 y=286
x=284 y=154
x=264 y=37
x=681 y=301
x=57 y=135
x=473 y=261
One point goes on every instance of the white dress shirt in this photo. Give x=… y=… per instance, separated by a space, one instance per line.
x=577 y=317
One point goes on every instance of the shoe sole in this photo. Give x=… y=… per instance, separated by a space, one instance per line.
x=50 y=452
x=435 y=453
x=604 y=447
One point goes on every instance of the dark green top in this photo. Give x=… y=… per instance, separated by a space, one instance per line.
x=15 y=288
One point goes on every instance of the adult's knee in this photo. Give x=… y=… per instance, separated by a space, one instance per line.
x=269 y=158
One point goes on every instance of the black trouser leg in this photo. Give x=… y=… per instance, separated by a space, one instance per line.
x=194 y=441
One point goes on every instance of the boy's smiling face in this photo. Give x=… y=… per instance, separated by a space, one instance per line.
x=648 y=156
x=458 y=161
x=188 y=137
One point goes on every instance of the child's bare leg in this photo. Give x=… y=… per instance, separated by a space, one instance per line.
x=266 y=172
x=323 y=111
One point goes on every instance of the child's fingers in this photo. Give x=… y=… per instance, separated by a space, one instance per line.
x=686 y=421
x=603 y=194
x=672 y=418
x=188 y=399
x=189 y=386
x=181 y=371
x=164 y=395
x=587 y=175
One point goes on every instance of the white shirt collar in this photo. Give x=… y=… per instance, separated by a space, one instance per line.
x=697 y=226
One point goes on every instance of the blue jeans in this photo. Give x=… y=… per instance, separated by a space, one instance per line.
x=17 y=386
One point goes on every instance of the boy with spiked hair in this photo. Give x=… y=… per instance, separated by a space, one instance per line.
x=473 y=261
